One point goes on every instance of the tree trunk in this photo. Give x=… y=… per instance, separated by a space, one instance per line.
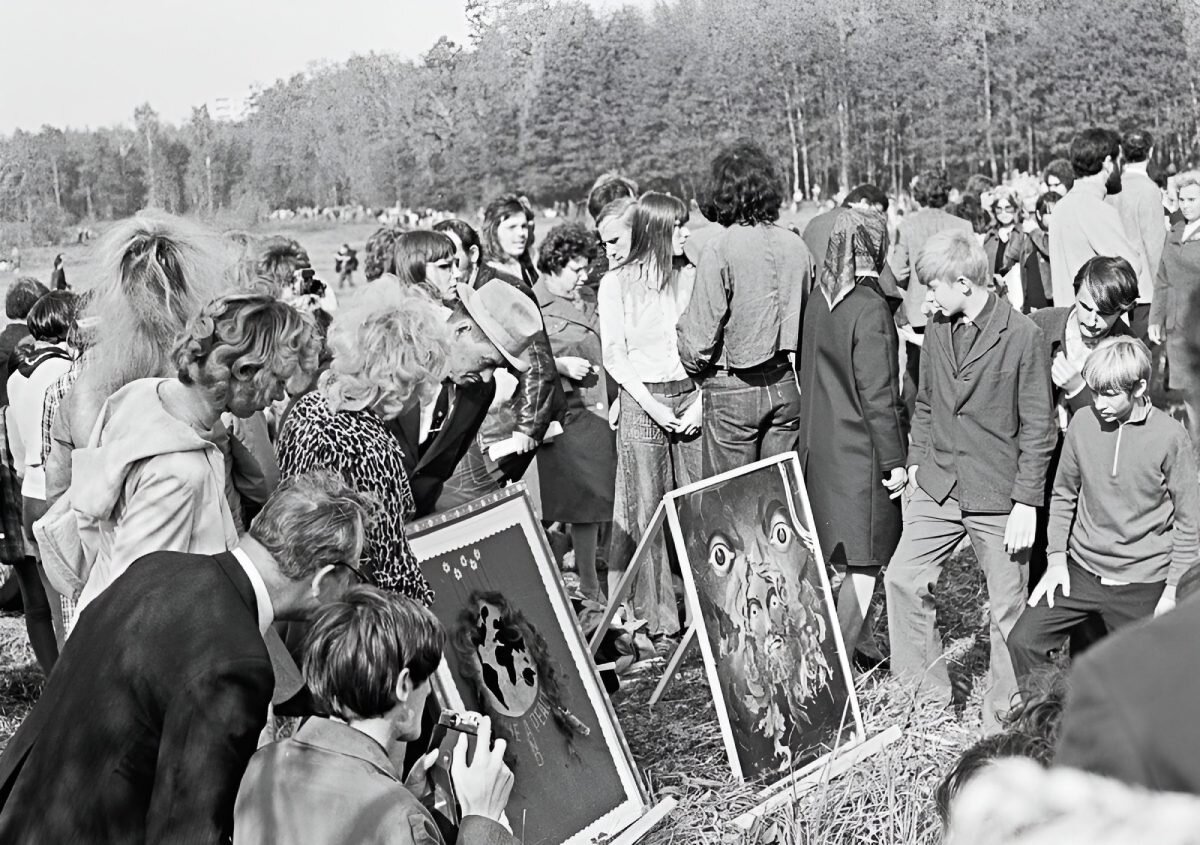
x=843 y=118
x=152 y=187
x=988 y=135
x=797 y=194
x=87 y=196
x=57 y=184
x=1031 y=165
x=804 y=145
x=208 y=180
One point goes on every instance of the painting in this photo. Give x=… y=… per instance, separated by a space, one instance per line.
x=765 y=617
x=515 y=653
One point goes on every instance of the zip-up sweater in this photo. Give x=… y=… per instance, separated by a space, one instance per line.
x=1126 y=498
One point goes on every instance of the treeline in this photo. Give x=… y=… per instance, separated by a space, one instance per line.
x=548 y=94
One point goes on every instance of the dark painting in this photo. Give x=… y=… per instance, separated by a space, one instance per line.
x=510 y=657
x=771 y=633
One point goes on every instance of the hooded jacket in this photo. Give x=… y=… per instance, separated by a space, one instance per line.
x=146 y=482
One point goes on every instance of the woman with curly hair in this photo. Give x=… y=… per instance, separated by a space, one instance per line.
x=508 y=237
x=155 y=273
x=385 y=358
x=658 y=444
x=150 y=477
x=741 y=332
x=577 y=469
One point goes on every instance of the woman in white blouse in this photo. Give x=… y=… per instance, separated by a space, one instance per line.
x=658 y=444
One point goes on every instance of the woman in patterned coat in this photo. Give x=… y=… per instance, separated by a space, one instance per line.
x=384 y=358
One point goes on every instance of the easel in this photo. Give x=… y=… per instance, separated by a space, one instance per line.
x=662 y=514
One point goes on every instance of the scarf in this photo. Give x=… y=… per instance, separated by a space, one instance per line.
x=858 y=246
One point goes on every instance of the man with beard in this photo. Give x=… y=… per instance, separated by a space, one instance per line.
x=1084 y=225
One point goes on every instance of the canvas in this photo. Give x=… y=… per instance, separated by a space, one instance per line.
x=765 y=617
x=515 y=653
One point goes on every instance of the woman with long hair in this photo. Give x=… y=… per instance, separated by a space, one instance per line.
x=150 y=477
x=508 y=238
x=426 y=259
x=658 y=444
x=155 y=273
x=386 y=358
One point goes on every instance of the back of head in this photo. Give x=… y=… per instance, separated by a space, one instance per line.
x=743 y=186
x=1046 y=202
x=358 y=646
x=1117 y=364
x=620 y=208
x=608 y=187
x=952 y=254
x=931 y=188
x=52 y=318
x=1090 y=148
x=279 y=258
x=248 y=337
x=413 y=250
x=1112 y=283
x=869 y=194
x=312 y=521
x=462 y=230
x=244 y=253
x=22 y=295
x=1136 y=144
x=379 y=254
x=156 y=271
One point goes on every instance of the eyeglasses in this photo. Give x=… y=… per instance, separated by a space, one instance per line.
x=362 y=577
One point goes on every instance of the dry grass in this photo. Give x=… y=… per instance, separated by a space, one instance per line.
x=20 y=677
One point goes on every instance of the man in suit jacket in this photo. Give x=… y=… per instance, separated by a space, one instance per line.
x=490 y=329
x=147 y=723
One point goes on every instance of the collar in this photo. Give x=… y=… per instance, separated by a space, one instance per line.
x=1089 y=187
x=262 y=598
x=1139 y=414
x=981 y=319
x=1135 y=167
x=339 y=738
x=1188 y=231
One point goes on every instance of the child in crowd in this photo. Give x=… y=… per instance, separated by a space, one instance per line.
x=981 y=438
x=1123 y=515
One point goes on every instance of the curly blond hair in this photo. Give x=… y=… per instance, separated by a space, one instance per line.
x=385 y=352
x=248 y=337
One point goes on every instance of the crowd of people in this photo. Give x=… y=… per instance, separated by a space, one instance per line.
x=209 y=464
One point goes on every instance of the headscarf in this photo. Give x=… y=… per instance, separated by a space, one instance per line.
x=858 y=246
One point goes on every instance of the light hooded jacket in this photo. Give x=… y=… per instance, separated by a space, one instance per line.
x=145 y=482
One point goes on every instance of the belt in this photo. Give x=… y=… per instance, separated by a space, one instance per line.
x=775 y=362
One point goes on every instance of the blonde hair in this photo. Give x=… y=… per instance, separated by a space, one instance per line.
x=386 y=351
x=1187 y=179
x=1118 y=363
x=156 y=271
x=250 y=337
x=951 y=254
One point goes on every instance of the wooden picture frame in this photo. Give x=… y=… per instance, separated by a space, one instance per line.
x=496 y=584
x=766 y=621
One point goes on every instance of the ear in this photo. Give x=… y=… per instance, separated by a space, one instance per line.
x=404 y=686
x=473 y=254
x=1140 y=389
x=325 y=585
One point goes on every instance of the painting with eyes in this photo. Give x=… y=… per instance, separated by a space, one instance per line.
x=515 y=653
x=766 y=618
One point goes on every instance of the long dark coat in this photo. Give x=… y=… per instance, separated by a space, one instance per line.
x=578 y=468
x=853 y=426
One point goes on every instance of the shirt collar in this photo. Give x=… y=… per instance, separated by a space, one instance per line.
x=1140 y=412
x=982 y=317
x=262 y=599
x=339 y=738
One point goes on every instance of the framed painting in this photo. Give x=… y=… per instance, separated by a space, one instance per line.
x=765 y=619
x=515 y=652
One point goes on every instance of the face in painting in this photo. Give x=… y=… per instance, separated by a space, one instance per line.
x=508 y=670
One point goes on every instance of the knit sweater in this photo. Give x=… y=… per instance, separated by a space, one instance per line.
x=1126 y=498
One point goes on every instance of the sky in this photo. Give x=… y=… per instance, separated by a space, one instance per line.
x=83 y=63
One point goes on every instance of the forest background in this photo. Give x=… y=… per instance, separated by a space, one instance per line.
x=546 y=94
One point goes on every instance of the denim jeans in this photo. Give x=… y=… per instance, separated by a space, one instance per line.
x=650 y=463
x=749 y=416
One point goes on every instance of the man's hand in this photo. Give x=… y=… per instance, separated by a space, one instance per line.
x=911 y=486
x=689 y=420
x=524 y=443
x=895 y=482
x=1166 y=602
x=1057 y=577
x=1065 y=375
x=1018 y=532
x=418 y=782
x=482 y=786
x=1157 y=333
x=573 y=368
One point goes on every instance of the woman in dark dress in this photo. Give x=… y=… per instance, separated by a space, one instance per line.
x=853 y=427
x=578 y=468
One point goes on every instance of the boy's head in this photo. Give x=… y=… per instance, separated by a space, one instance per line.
x=52 y=318
x=370 y=655
x=1045 y=209
x=954 y=266
x=1105 y=288
x=20 y=299
x=1117 y=371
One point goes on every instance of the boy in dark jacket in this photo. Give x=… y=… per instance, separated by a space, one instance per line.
x=981 y=438
x=1123 y=516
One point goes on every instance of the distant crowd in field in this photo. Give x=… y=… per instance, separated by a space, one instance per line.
x=209 y=463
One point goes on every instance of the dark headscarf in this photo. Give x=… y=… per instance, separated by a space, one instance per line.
x=858 y=246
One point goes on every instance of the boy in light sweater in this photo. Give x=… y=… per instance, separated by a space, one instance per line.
x=1123 y=515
